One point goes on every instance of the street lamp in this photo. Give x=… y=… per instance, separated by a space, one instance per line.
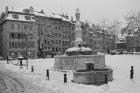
x=26 y=40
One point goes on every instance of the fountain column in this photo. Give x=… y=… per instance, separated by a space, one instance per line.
x=78 y=29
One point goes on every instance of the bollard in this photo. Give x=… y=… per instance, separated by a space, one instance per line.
x=131 y=72
x=7 y=60
x=106 y=79
x=65 y=78
x=32 y=68
x=47 y=74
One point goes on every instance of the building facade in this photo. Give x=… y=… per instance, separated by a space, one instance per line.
x=133 y=41
x=54 y=31
x=98 y=40
x=16 y=32
x=42 y=32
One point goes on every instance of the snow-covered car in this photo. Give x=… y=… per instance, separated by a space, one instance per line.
x=1 y=58
x=124 y=52
x=113 y=52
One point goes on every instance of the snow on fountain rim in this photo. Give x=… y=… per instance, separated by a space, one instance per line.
x=78 y=49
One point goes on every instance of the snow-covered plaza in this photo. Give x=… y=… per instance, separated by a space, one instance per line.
x=121 y=76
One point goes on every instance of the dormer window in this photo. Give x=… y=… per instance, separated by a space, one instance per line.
x=15 y=16
x=27 y=17
x=26 y=11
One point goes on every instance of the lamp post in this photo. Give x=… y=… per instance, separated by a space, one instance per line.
x=26 y=40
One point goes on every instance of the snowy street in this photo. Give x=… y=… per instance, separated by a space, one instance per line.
x=37 y=83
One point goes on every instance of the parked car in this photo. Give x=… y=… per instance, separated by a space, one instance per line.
x=125 y=52
x=118 y=51
x=1 y=58
x=113 y=52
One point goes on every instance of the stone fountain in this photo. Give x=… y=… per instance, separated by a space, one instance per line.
x=78 y=59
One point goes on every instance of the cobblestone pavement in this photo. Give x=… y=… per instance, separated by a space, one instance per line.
x=10 y=85
x=3 y=87
x=12 y=82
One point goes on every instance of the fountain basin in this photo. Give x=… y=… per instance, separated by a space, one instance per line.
x=77 y=62
x=96 y=76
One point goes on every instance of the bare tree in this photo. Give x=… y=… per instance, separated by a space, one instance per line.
x=103 y=23
x=115 y=26
x=111 y=26
x=133 y=20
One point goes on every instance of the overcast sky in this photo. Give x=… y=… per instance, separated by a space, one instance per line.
x=91 y=10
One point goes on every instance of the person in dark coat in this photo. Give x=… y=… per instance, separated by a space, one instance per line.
x=20 y=62
x=108 y=51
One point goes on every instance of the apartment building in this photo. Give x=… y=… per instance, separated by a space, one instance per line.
x=31 y=31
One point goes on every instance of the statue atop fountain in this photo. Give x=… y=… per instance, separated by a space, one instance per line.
x=79 y=47
x=78 y=30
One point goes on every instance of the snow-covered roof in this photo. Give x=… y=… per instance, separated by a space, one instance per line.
x=51 y=15
x=22 y=12
x=20 y=18
x=64 y=19
x=59 y=17
x=42 y=14
x=56 y=16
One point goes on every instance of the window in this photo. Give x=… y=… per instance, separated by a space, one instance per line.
x=31 y=27
x=56 y=42
x=56 y=49
x=59 y=49
x=15 y=16
x=52 y=41
x=26 y=10
x=59 y=34
x=11 y=36
x=10 y=45
x=19 y=36
x=27 y=17
x=19 y=26
x=59 y=28
x=56 y=34
x=13 y=45
x=56 y=28
x=60 y=42
x=12 y=26
x=25 y=27
x=16 y=44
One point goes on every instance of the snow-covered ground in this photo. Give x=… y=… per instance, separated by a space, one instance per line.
x=119 y=63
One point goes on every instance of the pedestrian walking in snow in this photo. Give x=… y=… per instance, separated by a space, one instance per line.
x=32 y=68
x=131 y=72
x=20 y=62
x=108 y=51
